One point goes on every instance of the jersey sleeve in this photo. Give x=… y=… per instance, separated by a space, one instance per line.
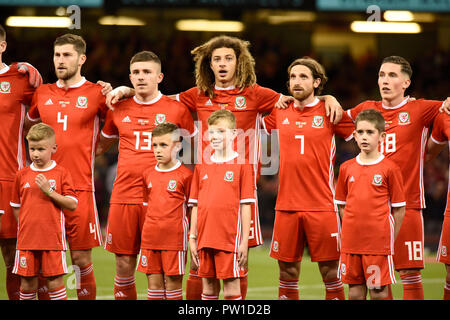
x=33 y=113
x=187 y=122
x=26 y=88
x=67 y=188
x=341 y=187
x=189 y=98
x=247 y=184
x=396 y=191
x=109 y=129
x=269 y=122
x=193 y=192
x=345 y=127
x=187 y=184
x=102 y=107
x=266 y=99
x=146 y=188
x=430 y=111
x=15 y=195
x=353 y=112
x=438 y=135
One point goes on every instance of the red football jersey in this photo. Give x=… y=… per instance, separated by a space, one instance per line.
x=218 y=189
x=41 y=222
x=441 y=135
x=407 y=128
x=133 y=122
x=75 y=116
x=15 y=96
x=307 y=150
x=166 y=225
x=247 y=105
x=368 y=191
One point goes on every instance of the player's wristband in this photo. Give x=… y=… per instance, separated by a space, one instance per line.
x=192 y=236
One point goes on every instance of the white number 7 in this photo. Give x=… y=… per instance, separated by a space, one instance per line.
x=302 y=143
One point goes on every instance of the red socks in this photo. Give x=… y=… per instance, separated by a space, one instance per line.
x=412 y=286
x=334 y=289
x=125 y=288
x=447 y=291
x=58 y=293
x=288 y=289
x=194 y=287
x=12 y=284
x=88 y=286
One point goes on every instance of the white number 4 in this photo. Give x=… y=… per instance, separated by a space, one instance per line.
x=93 y=230
x=62 y=120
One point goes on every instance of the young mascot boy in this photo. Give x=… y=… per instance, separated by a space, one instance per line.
x=371 y=203
x=221 y=194
x=164 y=239
x=41 y=192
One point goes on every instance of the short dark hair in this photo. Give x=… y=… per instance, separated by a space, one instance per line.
x=145 y=56
x=2 y=33
x=405 y=67
x=373 y=116
x=317 y=71
x=77 y=41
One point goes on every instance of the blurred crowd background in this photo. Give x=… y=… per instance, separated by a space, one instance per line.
x=352 y=79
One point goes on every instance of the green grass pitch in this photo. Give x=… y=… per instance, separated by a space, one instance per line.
x=262 y=278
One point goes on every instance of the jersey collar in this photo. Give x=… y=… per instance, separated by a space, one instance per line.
x=176 y=166
x=227 y=88
x=401 y=104
x=233 y=156
x=159 y=96
x=32 y=167
x=312 y=104
x=380 y=158
x=76 y=85
x=4 y=69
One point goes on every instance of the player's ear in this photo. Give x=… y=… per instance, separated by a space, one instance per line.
x=382 y=136
x=406 y=84
x=160 y=77
x=82 y=59
x=54 y=148
x=3 y=46
x=316 y=83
